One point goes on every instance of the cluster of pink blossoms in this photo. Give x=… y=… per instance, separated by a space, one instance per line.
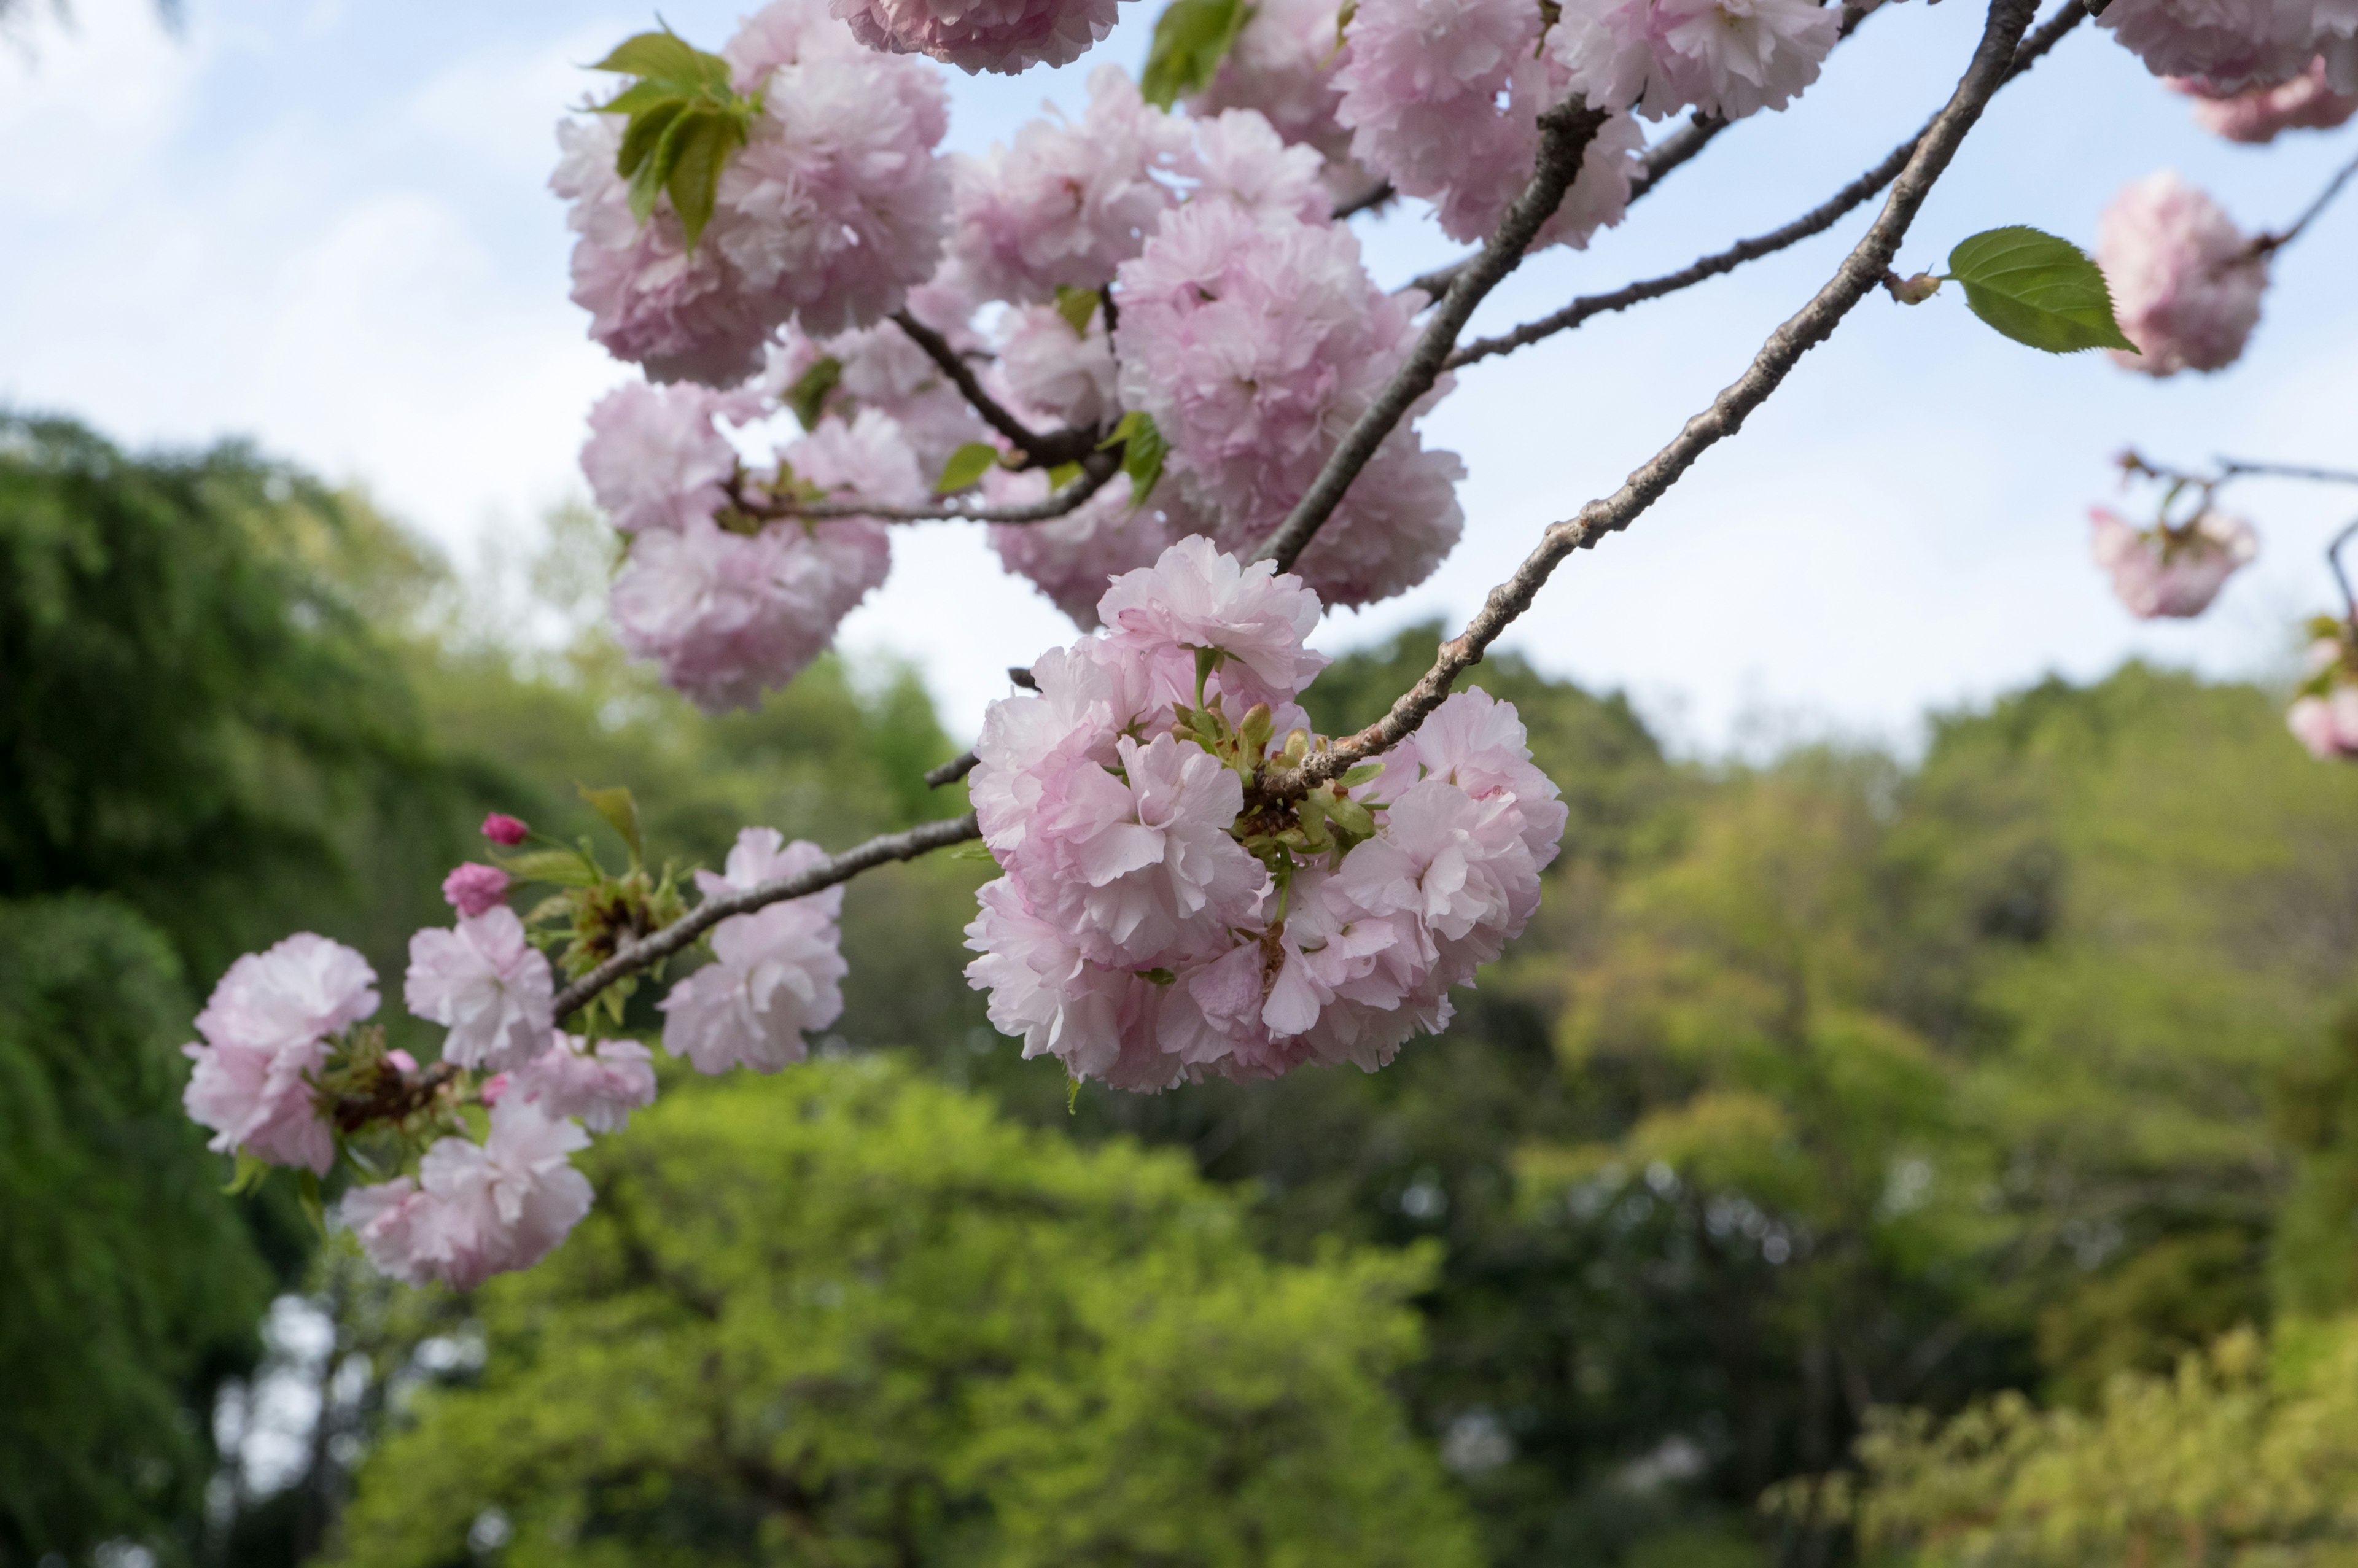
x=2234 y=45
x=1148 y=930
x=1282 y=67
x=725 y=602
x=1443 y=98
x=1729 y=57
x=833 y=210
x=2324 y=715
x=280 y=1025
x=2171 y=572
x=2260 y=114
x=2186 y=283
x=981 y=34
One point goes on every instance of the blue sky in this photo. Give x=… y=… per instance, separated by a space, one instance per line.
x=323 y=225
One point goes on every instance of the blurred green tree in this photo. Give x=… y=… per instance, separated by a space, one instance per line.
x=851 y=1317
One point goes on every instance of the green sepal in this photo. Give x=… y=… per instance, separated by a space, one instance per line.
x=622 y=814
x=966 y=468
x=2039 y=290
x=1191 y=38
x=807 y=396
x=1363 y=773
x=1142 y=451
x=565 y=867
x=251 y=1171
x=1158 y=976
x=1077 y=306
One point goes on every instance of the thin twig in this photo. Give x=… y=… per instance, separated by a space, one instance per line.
x=654 y=948
x=1096 y=473
x=2268 y=243
x=2341 y=578
x=1041 y=450
x=1817 y=220
x=1375 y=195
x=950 y=773
x=1859 y=273
x=1565 y=134
x=2230 y=468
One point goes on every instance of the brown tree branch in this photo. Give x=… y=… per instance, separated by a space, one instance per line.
x=1096 y=471
x=1860 y=273
x=1817 y=220
x=654 y=948
x=1565 y=132
x=1041 y=450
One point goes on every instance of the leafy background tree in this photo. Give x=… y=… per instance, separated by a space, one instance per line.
x=1822 y=1085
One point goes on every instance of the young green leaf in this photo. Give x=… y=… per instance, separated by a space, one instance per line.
x=1191 y=38
x=807 y=396
x=705 y=138
x=1062 y=474
x=1077 y=306
x=659 y=56
x=564 y=867
x=1143 y=450
x=2037 y=289
x=622 y=814
x=966 y=468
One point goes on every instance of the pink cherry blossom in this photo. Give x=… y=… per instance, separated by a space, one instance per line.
x=1477 y=743
x=2159 y=573
x=882 y=368
x=474 y=888
x=2258 y=114
x=599 y=1084
x=831 y=212
x=1196 y=597
x=476 y=1209
x=2327 y=725
x=1098 y=1021
x=775 y=974
x=266 y=1028
x=1729 y=57
x=1073 y=557
x=1239 y=158
x=1067 y=204
x=1008 y=36
x=502 y=828
x=487 y=984
x=2231 y=44
x=262 y=1101
x=2185 y=285
x=1056 y=375
x=1282 y=66
x=655 y=458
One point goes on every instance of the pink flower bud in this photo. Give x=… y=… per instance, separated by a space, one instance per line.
x=502 y=828
x=401 y=1060
x=493 y=1087
x=473 y=887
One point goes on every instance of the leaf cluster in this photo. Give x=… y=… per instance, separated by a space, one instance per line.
x=683 y=118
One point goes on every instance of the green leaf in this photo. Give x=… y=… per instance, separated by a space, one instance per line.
x=966 y=468
x=306 y=1189
x=1062 y=474
x=2037 y=289
x=639 y=97
x=251 y=1171
x=662 y=56
x=565 y=867
x=1363 y=773
x=1143 y=450
x=1077 y=306
x=622 y=814
x=807 y=396
x=1191 y=38
x=696 y=148
x=639 y=137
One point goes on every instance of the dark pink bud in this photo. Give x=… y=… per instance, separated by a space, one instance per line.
x=473 y=888
x=493 y=1087
x=502 y=828
x=401 y=1060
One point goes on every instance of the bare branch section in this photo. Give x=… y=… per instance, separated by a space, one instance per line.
x=1817 y=220
x=2230 y=468
x=1041 y=450
x=651 y=950
x=1097 y=471
x=1860 y=273
x=2270 y=243
x=1663 y=158
x=1565 y=132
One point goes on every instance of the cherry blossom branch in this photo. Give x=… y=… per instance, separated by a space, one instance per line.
x=656 y=947
x=1660 y=159
x=2230 y=468
x=1096 y=471
x=1041 y=450
x=1565 y=132
x=1817 y=220
x=2266 y=243
x=2341 y=578
x=1811 y=325
x=1367 y=201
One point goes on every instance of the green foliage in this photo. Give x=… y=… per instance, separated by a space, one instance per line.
x=846 y=1316
x=2037 y=289
x=1142 y=451
x=129 y=1286
x=965 y=468
x=807 y=396
x=1191 y=38
x=1077 y=306
x=684 y=120
x=2217 y=1462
